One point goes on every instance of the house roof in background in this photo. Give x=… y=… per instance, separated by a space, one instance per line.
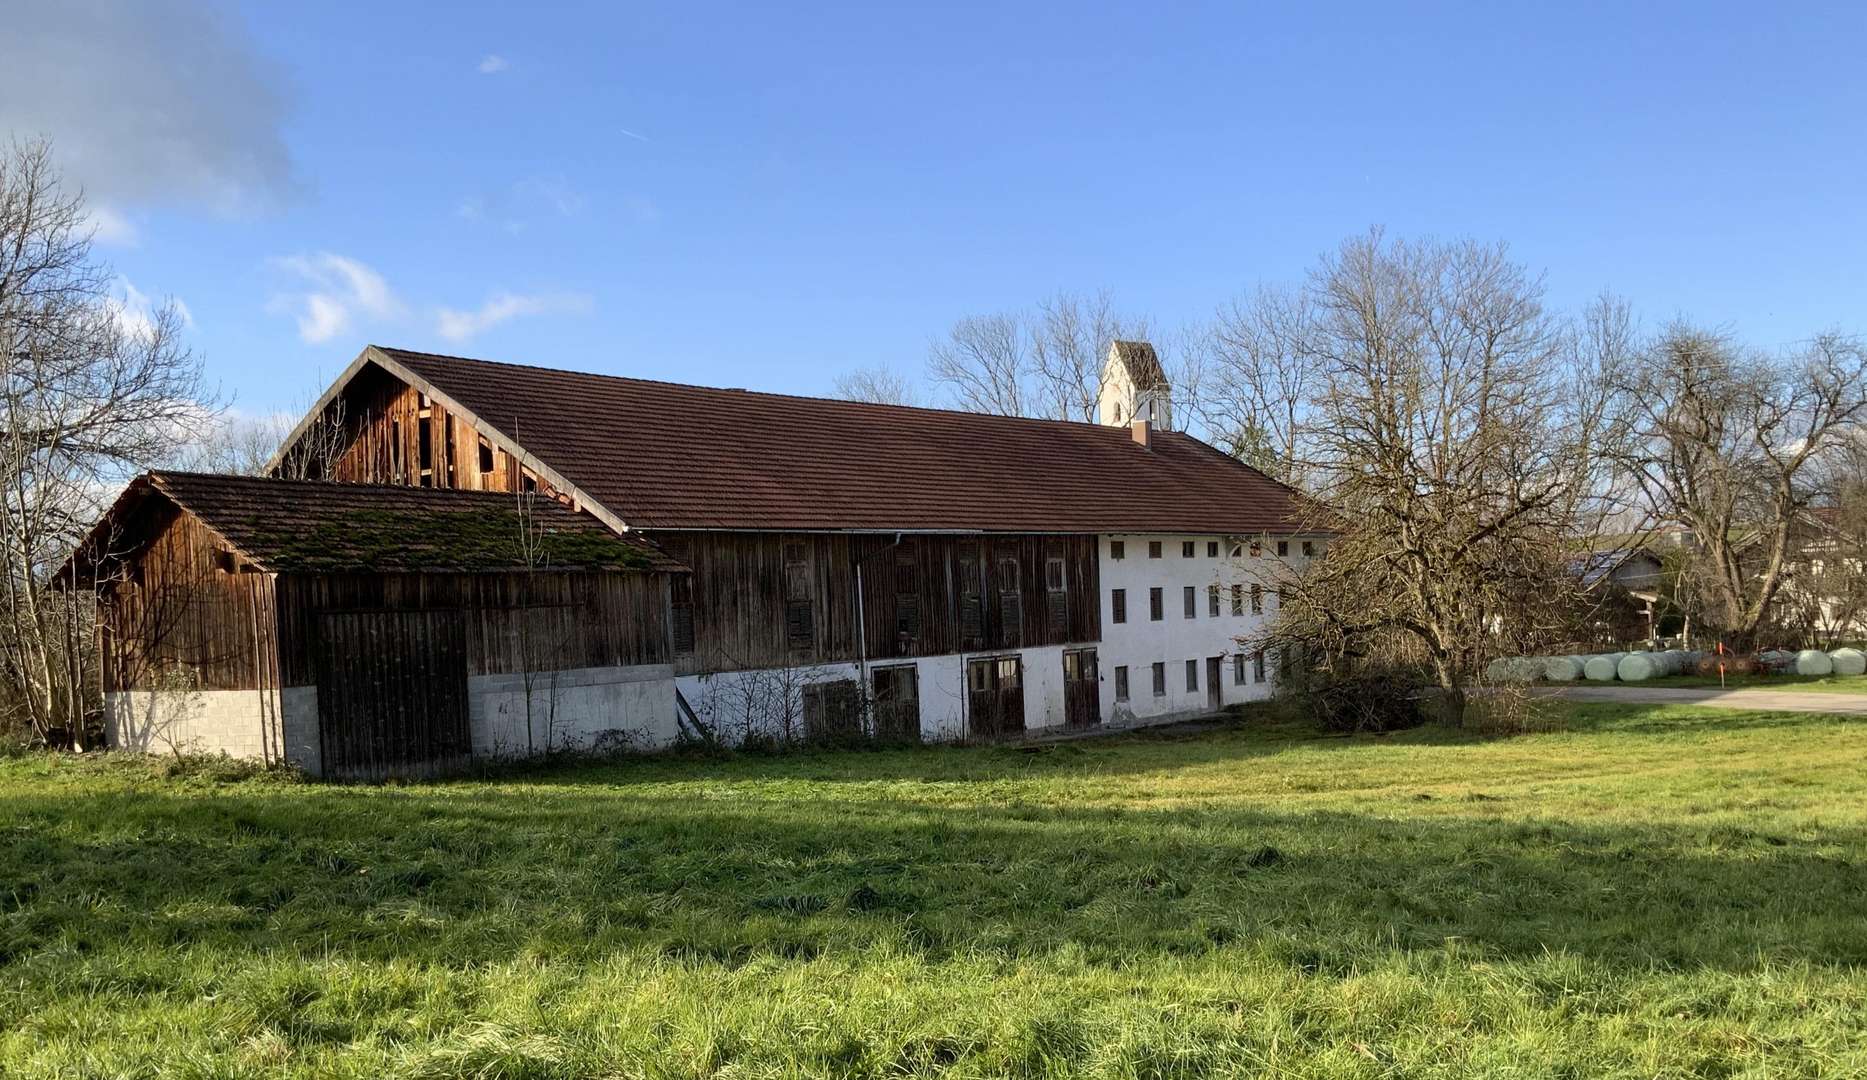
x=317 y=526
x=670 y=456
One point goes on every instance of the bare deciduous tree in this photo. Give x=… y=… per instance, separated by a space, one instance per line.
x=91 y=392
x=1727 y=442
x=1429 y=400
x=246 y=445
x=877 y=386
x=1046 y=363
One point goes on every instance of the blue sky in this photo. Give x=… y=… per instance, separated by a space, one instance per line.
x=762 y=196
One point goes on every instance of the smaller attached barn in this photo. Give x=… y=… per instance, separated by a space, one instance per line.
x=373 y=631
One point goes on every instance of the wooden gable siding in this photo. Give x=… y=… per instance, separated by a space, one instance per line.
x=744 y=595
x=387 y=423
x=185 y=616
x=557 y=619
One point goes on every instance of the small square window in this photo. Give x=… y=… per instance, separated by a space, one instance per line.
x=1212 y=549
x=1257 y=549
x=1160 y=680
x=1309 y=549
x=1121 y=683
x=1186 y=549
x=1155 y=607
x=1192 y=676
x=1118 y=549
x=1118 y=605
x=1153 y=549
x=1283 y=548
x=1191 y=602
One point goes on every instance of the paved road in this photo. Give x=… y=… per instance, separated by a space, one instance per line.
x=1776 y=700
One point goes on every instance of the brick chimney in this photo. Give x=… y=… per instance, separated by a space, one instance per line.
x=1143 y=431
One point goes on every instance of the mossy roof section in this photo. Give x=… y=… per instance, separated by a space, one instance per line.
x=311 y=526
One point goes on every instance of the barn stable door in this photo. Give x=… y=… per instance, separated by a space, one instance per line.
x=995 y=696
x=392 y=693
x=1082 y=693
x=897 y=704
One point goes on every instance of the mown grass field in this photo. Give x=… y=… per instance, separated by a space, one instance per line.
x=1654 y=892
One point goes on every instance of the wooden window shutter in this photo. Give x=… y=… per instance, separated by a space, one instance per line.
x=1056 y=600
x=907 y=601
x=681 y=591
x=1010 y=601
x=971 y=607
x=800 y=623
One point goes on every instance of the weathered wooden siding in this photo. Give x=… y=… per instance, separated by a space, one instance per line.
x=927 y=596
x=393 y=434
x=544 y=620
x=187 y=616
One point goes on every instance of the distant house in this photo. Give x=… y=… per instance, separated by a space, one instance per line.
x=829 y=567
x=1625 y=583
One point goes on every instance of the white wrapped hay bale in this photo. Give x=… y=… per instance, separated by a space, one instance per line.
x=1641 y=666
x=1564 y=668
x=1814 y=662
x=1849 y=661
x=1602 y=668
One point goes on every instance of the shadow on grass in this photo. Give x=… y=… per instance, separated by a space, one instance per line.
x=448 y=876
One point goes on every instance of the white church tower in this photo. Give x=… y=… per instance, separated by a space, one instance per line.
x=1134 y=387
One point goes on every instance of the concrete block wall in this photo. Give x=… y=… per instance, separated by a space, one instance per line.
x=580 y=709
x=238 y=723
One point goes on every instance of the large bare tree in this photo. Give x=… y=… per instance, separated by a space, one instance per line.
x=92 y=391
x=1729 y=442
x=1044 y=363
x=877 y=386
x=1442 y=416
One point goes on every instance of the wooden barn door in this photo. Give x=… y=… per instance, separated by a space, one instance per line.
x=392 y=693
x=1082 y=694
x=897 y=703
x=995 y=696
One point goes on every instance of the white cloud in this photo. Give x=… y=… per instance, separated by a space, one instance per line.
x=493 y=64
x=111 y=228
x=149 y=102
x=135 y=313
x=456 y=325
x=333 y=290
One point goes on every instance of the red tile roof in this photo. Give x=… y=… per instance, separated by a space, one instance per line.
x=665 y=455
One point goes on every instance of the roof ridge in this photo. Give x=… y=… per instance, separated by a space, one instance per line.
x=864 y=405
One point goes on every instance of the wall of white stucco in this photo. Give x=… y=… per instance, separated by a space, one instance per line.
x=1140 y=642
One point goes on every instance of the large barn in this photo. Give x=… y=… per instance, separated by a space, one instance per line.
x=748 y=565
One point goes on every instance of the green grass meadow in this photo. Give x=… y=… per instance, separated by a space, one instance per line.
x=1654 y=892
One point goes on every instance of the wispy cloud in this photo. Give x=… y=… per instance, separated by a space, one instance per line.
x=135 y=313
x=493 y=64
x=456 y=325
x=111 y=228
x=517 y=207
x=632 y=134
x=332 y=291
